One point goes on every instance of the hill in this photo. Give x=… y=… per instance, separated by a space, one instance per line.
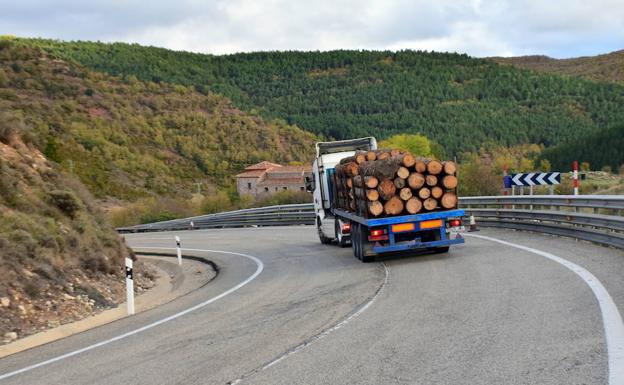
x=129 y=139
x=458 y=101
x=603 y=148
x=608 y=67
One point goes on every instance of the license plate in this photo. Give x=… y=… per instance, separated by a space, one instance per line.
x=458 y=229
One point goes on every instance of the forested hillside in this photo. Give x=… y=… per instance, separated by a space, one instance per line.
x=608 y=67
x=458 y=101
x=603 y=148
x=129 y=139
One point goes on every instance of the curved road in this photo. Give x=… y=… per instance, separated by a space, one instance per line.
x=304 y=313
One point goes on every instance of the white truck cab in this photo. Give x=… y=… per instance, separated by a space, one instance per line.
x=328 y=154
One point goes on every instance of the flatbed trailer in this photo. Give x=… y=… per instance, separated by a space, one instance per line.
x=435 y=231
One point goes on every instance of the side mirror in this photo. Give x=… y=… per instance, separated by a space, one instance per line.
x=309 y=184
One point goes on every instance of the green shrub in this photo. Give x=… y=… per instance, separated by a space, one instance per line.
x=66 y=201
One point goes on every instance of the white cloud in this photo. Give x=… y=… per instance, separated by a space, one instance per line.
x=477 y=27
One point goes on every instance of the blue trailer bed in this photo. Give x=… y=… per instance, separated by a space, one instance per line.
x=402 y=233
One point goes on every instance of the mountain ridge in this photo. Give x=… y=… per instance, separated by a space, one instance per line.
x=458 y=101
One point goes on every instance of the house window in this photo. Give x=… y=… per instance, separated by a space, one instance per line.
x=276 y=189
x=249 y=185
x=266 y=189
x=285 y=188
x=302 y=188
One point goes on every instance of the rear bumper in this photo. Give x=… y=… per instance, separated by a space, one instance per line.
x=417 y=245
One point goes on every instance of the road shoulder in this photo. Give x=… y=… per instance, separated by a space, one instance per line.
x=173 y=282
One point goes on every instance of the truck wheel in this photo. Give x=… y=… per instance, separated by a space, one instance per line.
x=322 y=237
x=342 y=239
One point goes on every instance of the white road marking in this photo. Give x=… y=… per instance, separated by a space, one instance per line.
x=319 y=336
x=260 y=267
x=611 y=318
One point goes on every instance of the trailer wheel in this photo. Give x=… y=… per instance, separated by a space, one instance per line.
x=361 y=233
x=322 y=237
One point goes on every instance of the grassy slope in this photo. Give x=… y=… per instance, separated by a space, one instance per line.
x=129 y=139
x=608 y=67
x=458 y=101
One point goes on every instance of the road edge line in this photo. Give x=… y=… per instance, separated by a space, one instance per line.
x=611 y=317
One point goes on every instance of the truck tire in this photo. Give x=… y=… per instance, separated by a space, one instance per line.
x=340 y=238
x=324 y=240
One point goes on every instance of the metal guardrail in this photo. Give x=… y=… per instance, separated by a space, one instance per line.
x=594 y=218
x=284 y=215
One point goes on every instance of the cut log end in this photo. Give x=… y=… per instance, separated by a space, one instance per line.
x=434 y=167
x=449 y=200
x=372 y=194
x=371 y=181
x=449 y=181
x=431 y=180
x=405 y=193
x=450 y=167
x=413 y=205
x=420 y=166
x=416 y=180
x=375 y=208
x=399 y=183
x=424 y=193
x=403 y=172
x=393 y=206
x=430 y=204
x=386 y=189
x=408 y=160
x=437 y=192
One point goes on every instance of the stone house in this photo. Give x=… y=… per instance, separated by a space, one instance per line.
x=266 y=178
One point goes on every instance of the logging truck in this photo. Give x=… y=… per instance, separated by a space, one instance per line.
x=383 y=201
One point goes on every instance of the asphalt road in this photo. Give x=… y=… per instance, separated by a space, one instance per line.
x=485 y=313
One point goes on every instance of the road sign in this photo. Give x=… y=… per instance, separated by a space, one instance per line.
x=533 y=179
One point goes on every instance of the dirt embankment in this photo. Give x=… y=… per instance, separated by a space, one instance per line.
x=60 y=260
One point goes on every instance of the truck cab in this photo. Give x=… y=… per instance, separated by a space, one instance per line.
x=328 y=154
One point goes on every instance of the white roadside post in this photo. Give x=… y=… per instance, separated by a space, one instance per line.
x=575 y=181
x=129 y=286
x=179 y=250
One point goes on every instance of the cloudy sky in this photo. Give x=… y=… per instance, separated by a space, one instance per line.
x=558 y=28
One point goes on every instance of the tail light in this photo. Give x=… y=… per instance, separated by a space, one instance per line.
x=376 y=232
x=346 y=228
x=455 y=223
x=378 y=235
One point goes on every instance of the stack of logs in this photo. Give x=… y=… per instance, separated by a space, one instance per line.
x=391 y=182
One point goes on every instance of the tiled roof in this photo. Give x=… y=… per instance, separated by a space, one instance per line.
x=251 y=174
x=264 y=165
x=287 y=169
x=280 y=181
